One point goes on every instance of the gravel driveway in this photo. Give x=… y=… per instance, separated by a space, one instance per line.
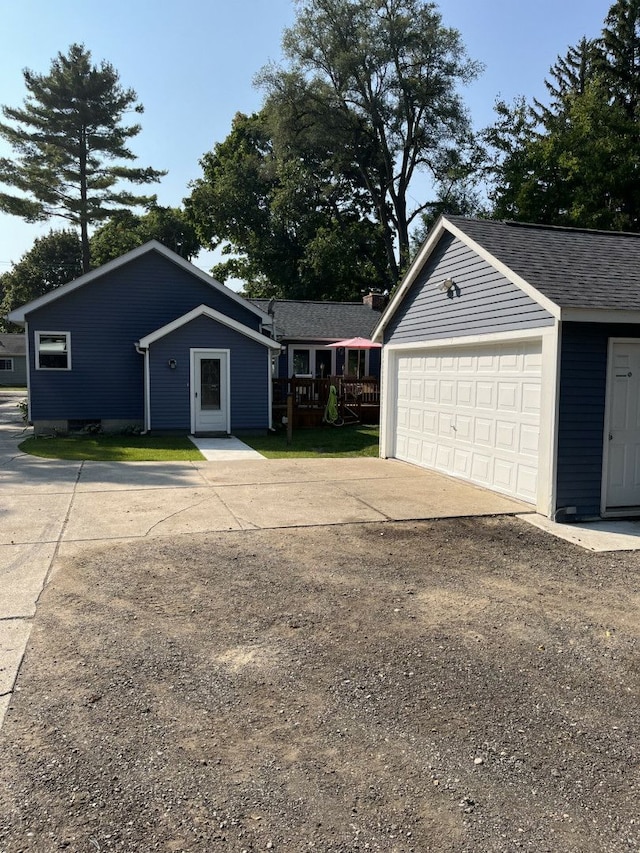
x=468 y=685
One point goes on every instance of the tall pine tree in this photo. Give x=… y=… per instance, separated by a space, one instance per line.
x=70 y=144
x=575 y=162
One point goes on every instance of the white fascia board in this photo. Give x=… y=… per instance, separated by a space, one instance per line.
x=409 y=278
x=600 y=315
x=471 y=340
x=205 y=310
x=18 y=314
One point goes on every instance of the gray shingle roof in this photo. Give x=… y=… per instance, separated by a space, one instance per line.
x=301 y=320
x=12 y=345
x=574 y=268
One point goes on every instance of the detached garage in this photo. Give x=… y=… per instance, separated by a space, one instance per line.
x=512 y=359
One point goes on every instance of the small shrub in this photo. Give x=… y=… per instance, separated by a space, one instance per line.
x=23 y=408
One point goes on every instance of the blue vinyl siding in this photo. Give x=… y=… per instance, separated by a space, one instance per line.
x=249 y=368
x=105 y=318
x=583 y=384
x=485 y=302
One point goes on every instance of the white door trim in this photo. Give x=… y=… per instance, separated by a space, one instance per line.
x=210 y=353
x=606 y=513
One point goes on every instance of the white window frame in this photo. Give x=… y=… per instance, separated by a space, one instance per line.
x=8 y=361
x=36 y=338
x=312 y=350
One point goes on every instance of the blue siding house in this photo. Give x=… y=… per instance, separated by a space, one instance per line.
x=150 y=341
x=511 y=358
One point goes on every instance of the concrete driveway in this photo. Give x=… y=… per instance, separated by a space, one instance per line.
x=50 y=510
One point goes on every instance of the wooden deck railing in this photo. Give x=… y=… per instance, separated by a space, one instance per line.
x=310 y=397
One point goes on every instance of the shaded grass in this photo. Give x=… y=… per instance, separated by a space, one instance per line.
x=325 y=442
x=114 y=448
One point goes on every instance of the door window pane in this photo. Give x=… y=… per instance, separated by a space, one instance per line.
x=323 y=363
x=301 y=361
x=355 y=362
x=210 y=383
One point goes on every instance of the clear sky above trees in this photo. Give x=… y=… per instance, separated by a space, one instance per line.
x=192 y=66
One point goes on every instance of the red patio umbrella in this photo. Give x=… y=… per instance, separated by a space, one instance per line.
x=356 y=343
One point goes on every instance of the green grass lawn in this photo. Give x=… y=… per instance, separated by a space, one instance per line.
x=328 y=441
x=322 y=442
x=113 y=448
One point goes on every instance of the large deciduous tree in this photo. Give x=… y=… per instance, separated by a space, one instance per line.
x=289 y=225
x=380 y=79
x=52 y=261
x=71 y=145
x=314 y=191
x=126 y=230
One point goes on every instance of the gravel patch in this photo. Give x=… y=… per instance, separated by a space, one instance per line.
x=441 y=686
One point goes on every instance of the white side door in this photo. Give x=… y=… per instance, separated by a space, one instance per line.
x=209 y=391
x=622 y=433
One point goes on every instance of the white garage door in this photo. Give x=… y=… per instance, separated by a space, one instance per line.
x=473 y=413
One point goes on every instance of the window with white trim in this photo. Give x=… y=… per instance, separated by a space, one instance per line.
x=53 y=350
x=6 y=364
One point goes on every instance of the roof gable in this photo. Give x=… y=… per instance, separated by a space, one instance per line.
x=559 y=268
x=206 y=311
x=18 y=315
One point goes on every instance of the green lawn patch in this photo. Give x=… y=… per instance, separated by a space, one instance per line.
x=328 y=441
x=113 y=448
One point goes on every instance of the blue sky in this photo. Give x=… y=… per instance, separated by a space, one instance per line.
x=192 y=65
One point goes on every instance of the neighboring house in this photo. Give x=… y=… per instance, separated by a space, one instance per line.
x=305 y=329
x=147 y=340
x=512 y=359
x=13 y=360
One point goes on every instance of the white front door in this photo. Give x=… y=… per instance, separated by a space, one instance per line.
x=210 y=391
x=622 y=436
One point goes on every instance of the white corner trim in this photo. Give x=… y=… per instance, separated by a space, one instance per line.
x=549 y=420
x=205 y=310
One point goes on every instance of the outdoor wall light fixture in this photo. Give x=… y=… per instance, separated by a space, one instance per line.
x=447 y=284
x=172 y=363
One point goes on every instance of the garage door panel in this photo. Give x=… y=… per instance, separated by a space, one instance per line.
x=531 y=398
x=485 y=395
x=527 y=480
x=508 y=396
x=464 y=428
x=473 y=413
x=465 y=393
x=483 y=432
x=481 y=469
x=462 y=462
x=504 y=475
x=415 y=420
x=529 y=440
